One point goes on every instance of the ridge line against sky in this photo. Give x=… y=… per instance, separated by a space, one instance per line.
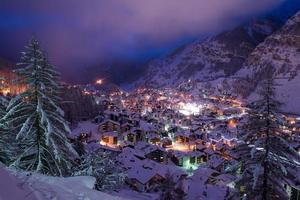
x=82 y=34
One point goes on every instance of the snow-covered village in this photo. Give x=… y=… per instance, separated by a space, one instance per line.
x=160 y=100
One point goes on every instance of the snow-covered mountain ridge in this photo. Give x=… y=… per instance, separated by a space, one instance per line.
x=243 y=57
x=279 y=55
x=218 y=56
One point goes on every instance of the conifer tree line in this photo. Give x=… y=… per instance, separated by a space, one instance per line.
x=267 y=162
x=33 y=128
x=3 y=138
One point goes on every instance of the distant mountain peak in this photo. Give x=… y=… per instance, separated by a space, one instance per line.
x=218 y=56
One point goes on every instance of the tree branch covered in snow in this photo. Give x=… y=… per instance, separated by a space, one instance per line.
x=4 y=134
x=103 y=166
x=267 y=161
x=35 y=119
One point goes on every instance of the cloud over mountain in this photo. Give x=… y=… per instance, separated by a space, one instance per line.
x=81 y=33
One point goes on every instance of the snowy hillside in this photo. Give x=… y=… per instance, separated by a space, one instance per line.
x=40 y=187
x=279 y=54
x=242 y=57
x=219 y=56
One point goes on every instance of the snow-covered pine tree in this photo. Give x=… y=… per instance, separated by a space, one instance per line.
x=3 y=100
x=169 y=189
x=267 y=161
x=37 y=121
x=103 y=166
x=3 y=134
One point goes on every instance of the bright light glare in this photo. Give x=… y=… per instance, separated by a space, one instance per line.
x=181 y=147
x=99 y=81
x=190 y=108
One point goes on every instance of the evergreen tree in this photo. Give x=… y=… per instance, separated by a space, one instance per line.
x=103 y=166
x=267 y=161
x=168 y=188
x=78 y=146
x=3 y=100
x=3 y=134
x=37 y=121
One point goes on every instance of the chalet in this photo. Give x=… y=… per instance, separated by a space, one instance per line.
x=186 y=122
x=124 y=117
x=153 y=138
x=197 y=157
x=144 y=174
x=139 y=134
x=172 y=129
x=112 y=115
x=203 y=178
x=166 y=142
x=109 y=138
x=209 y=152
x=143 y=180
x=182 y=137
x=187 y=159
x=231 y=111
x=130 y=136
x=197 y=135
x=225 y=179
x=217 y=163
x=108 y=125
x=157 y=154
x=207 y=175
x=126 y=127
x=84 y=137
x=99 y=119
x=86 y=132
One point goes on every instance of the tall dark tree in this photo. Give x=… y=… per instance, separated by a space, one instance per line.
x=77 y=105
x=267 y=160
x=36 y=120
x=3 y=133
x=3 y=99
x=169 y=189
x=104 y=167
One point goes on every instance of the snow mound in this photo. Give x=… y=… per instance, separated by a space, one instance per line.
x=40 y=187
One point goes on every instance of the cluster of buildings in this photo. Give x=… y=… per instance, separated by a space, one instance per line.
x=162 y=132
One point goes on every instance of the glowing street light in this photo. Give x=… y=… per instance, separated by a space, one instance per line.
x=99 y=81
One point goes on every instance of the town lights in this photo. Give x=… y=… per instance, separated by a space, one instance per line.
x=182 y=147
x=5 y=92
x=232 y=123
x=190 y=108
x=99 y=82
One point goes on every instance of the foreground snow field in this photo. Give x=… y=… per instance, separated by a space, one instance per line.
x=40 y=187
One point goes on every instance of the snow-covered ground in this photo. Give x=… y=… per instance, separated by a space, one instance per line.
x=40 y=187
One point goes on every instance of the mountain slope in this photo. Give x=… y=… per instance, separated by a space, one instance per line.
x=219 y=56
x=279 y=55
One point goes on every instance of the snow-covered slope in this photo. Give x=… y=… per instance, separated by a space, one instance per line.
x=279 y=55
x=219 y=56
x=242 y=57
x=40 y=187
x=12 y=189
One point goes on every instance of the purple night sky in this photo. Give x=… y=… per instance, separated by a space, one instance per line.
x=84 y=33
